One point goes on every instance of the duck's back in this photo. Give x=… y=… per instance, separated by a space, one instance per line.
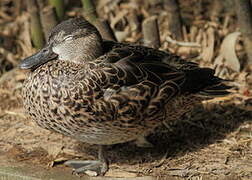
x=160 y=66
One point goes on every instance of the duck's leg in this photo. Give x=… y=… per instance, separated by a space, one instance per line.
x=92 y=167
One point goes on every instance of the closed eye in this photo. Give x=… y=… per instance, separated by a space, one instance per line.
x=67 y=38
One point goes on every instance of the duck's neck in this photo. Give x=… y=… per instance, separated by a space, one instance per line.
x=89 y=54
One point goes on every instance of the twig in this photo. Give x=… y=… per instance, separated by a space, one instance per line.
x=8 y=55
x=180 y=43
x=161 y=162
x=151 y=32
x=15 y=113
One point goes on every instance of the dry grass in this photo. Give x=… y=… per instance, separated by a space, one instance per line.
x=212 y=142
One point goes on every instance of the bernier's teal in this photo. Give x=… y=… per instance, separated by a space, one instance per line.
x=103 y=92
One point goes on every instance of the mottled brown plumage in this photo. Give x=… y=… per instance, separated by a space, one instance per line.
x=103 y=92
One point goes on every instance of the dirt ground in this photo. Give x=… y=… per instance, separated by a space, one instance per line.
x=212 y=142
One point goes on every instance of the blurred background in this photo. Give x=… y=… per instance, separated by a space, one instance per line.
x=214 y=141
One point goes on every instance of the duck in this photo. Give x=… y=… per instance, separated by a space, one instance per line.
x=103 y=92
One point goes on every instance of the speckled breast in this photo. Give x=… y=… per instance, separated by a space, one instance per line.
x=57 y=102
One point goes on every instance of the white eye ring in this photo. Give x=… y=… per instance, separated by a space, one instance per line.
x=68 y=38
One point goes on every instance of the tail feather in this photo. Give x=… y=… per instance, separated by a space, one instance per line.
x=201 y=81
x=217 y=90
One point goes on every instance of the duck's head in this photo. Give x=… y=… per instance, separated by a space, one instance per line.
x=74 y=40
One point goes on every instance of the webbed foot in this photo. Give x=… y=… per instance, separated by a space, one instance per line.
x=92 y=167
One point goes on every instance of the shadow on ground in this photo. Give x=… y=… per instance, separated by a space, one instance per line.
x=191 y=133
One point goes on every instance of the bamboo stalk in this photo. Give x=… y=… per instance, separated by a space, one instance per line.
x=48 y=19
x=105 y=30
x=35 y=25
x=41 y=4
x=59 y=7
x=151 y=32
x=89 y=10
x=174 y=18
x=244 y=14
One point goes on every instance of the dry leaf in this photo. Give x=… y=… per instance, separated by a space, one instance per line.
x=117 y=18
x=227 y=52
x=121 y=35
